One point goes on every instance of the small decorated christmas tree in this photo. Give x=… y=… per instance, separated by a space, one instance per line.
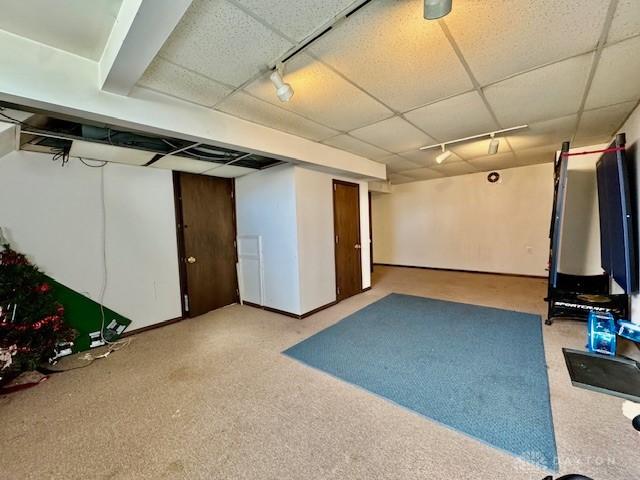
x=31 y=321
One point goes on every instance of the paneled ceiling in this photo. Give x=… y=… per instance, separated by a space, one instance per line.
x=384 y=81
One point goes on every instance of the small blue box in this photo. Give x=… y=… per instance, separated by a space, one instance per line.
x=602 y=333
x=629 y=330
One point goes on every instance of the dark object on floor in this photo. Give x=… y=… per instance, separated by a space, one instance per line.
x=569 y=477
x=636 y=423
x=476 y=369
x=616 y=376
x=23 y=381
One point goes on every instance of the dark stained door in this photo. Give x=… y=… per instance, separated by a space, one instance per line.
x=346 y=224
x=208 y=253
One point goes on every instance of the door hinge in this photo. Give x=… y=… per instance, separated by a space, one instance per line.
x=338 y=290
x=235 y=244
x=336 y=238
x=186 y=303
x=334 y=187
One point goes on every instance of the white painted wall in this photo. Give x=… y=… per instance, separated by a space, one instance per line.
x=466 y=223
x=266 y=206
x=53 y=214
x=580 y=239
x=291 y=208
x=316 y=248
x=7 y=138
x=314 y=212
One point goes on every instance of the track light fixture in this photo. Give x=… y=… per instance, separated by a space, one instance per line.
x=444 y=155
x=283 y=90
x=494 y=144
x=434 y=9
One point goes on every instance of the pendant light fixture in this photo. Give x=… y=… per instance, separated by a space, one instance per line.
x=494 y=144
x=283 y=90
x=435 y=9
x=444 y=155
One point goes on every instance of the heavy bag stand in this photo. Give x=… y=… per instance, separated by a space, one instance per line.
x=574 y=296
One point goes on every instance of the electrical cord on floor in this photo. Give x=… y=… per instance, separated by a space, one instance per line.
x=88 y=357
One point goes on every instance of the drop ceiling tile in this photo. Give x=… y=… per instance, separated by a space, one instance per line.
x=397 y=164
x=296 y=19
x=616 y=78
x=531 y=156
x=220 y=41
x=255 y=110
x=455 y=117
x=390 y=50
x=427 y=158
x=550 y=132
x=393 y=158
x=322 y=95
x=548 y=92
x=397 y=179
x=626 y=21
x=182 y=164
x=394 y=134
x=353 y=145
x=179 y=82
x=477 y=148
x=494 y=162
x=390 y=158
x=599 y=126
x=422 y=173
x=229 y=171
x=455 y=168
x=110 y=153
x=500 y=38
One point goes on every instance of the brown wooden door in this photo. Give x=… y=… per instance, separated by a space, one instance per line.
x=207 y=230
x=346 y=224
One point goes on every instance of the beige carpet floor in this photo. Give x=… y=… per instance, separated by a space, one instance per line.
x=213 y=398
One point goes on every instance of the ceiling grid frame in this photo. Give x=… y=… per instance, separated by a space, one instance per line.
x=336 y=20
x=602 y=41
x=477 y=86
x=296 y=44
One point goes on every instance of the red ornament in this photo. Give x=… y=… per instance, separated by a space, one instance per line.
x=44 y=287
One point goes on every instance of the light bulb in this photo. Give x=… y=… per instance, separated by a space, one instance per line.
x=283 y=90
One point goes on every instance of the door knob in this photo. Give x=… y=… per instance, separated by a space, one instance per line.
x=357 y=246
x=191 y=260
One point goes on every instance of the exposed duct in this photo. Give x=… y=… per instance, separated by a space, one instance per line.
x=65 y=138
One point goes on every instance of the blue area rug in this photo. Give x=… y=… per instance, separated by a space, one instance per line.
x=478 y=370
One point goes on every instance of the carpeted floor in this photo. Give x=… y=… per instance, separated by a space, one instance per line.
x=213 y=398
